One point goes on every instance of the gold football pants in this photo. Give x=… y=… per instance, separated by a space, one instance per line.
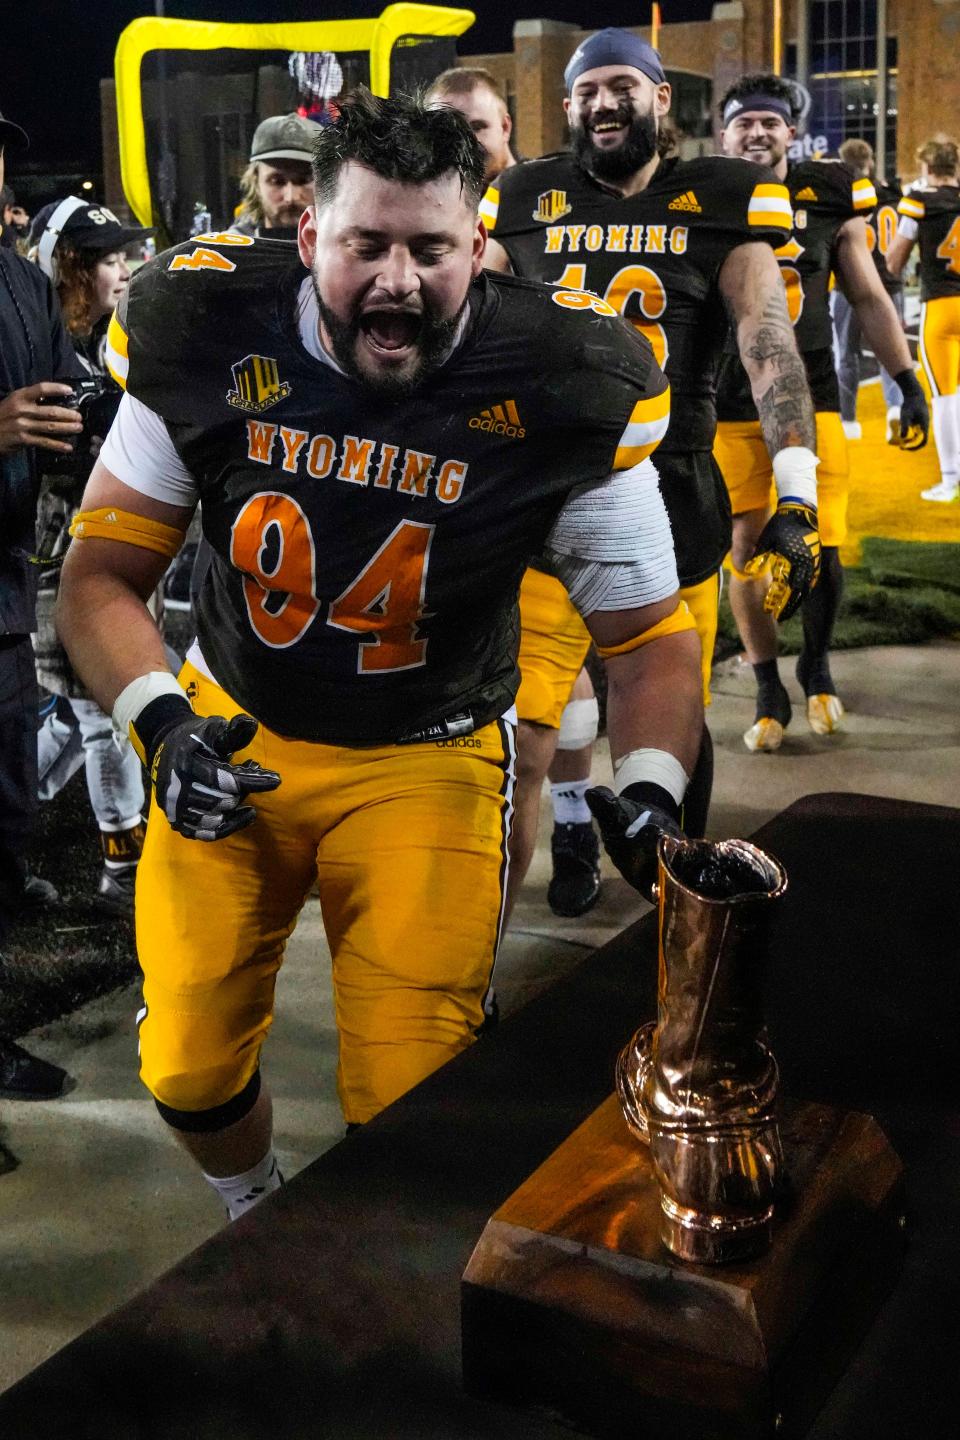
x=409 y=847
x=940 y=344
x=554 y=642
x=743 y=458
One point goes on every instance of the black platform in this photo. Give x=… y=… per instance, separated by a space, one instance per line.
x=333 y=1309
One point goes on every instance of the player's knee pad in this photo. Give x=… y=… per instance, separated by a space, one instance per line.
x=579 y=724
x=218 y=1117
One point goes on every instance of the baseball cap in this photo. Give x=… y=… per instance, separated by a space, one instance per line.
x=85 y=226
x=284 y=137
x=11 y=134
x=614 y=47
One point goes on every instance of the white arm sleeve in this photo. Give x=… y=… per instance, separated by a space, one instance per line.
x=139 y=451
x=611 y=544
x=907 y=227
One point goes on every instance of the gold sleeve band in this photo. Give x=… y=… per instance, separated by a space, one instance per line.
x=111 y=524
x=673 y=624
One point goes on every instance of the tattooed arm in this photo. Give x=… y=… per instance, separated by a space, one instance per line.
x=752 y=288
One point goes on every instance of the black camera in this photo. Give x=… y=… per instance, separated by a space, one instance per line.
x=97 y=399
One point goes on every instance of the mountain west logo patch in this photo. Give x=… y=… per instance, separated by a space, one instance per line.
x=257 y=384
x=500 y=420
x=687 y=201
x=551 y=205
x=806 y=194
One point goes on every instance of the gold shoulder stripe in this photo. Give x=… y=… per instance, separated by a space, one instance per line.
x=915 y=209
x=772 y=191
x=864 y=195
x=648 y=423
x=490 y=208
x=116 y=351
x=770 y=205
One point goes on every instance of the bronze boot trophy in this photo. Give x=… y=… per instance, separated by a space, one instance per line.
x=700 y=1086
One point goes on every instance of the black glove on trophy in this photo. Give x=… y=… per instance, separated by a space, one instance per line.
x=631 y=825
x=914 y=415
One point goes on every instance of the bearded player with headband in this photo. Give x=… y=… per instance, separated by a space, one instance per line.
x=675 y=246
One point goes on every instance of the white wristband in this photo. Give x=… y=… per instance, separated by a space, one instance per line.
x=795 y=474
x=658 y=767
x=138 y=694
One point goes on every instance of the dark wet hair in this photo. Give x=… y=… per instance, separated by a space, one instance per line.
x=401 y=138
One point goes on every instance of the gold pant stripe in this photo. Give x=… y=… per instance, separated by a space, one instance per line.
x=408 y=846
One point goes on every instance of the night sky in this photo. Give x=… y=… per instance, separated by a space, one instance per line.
x=56 y=51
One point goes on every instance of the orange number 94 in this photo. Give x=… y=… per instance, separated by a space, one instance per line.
x=273 y=545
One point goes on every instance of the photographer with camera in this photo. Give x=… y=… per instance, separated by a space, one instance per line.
x=35 y=353
x=80 y=248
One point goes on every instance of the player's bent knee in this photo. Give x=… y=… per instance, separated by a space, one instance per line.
x=579 y=725
x=216 y=1117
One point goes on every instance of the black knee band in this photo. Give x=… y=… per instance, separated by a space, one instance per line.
x=203 y=1122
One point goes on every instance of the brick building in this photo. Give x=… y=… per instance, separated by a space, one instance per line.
x=833 y=46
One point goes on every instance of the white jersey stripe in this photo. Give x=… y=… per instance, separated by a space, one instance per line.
x=770 y=203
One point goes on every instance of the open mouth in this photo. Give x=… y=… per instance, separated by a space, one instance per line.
x=609 y=127
x=390 y=332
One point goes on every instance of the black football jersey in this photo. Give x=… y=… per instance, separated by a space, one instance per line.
x=881 y=228
x=824 y=194
x=936 y=209
x=367 y=552
x=654 y=256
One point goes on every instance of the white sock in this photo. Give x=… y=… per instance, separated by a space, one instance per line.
x=569 y=806
x=946 y=433
x=240 y=1193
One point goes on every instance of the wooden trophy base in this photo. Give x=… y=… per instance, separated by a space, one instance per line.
x=571 y=1302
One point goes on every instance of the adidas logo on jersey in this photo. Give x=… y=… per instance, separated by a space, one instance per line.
x=500 y=420
x=688 y=201
x=806 y=194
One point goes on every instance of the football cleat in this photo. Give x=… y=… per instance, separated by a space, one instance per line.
x=944 y=493
x=825 y=714
x=764 y=734
x=852 y=429
x=115 y=891
x=575 y=886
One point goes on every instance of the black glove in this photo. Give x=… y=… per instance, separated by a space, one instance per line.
x=790 y=542
x=914 y=415
x=198 y=792
x=631 y=825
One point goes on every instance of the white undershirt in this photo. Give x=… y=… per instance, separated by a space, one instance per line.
x=611 y=544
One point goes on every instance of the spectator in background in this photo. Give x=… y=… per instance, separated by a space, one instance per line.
x=35 y=354
x=476 y=93
x=848 y=337
x=80 y=248
x=13 y=218
x=277 y=185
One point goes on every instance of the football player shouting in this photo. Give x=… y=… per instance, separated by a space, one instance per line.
x=344 y=717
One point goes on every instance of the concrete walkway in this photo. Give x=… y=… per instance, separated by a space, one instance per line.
x=96 y=1200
